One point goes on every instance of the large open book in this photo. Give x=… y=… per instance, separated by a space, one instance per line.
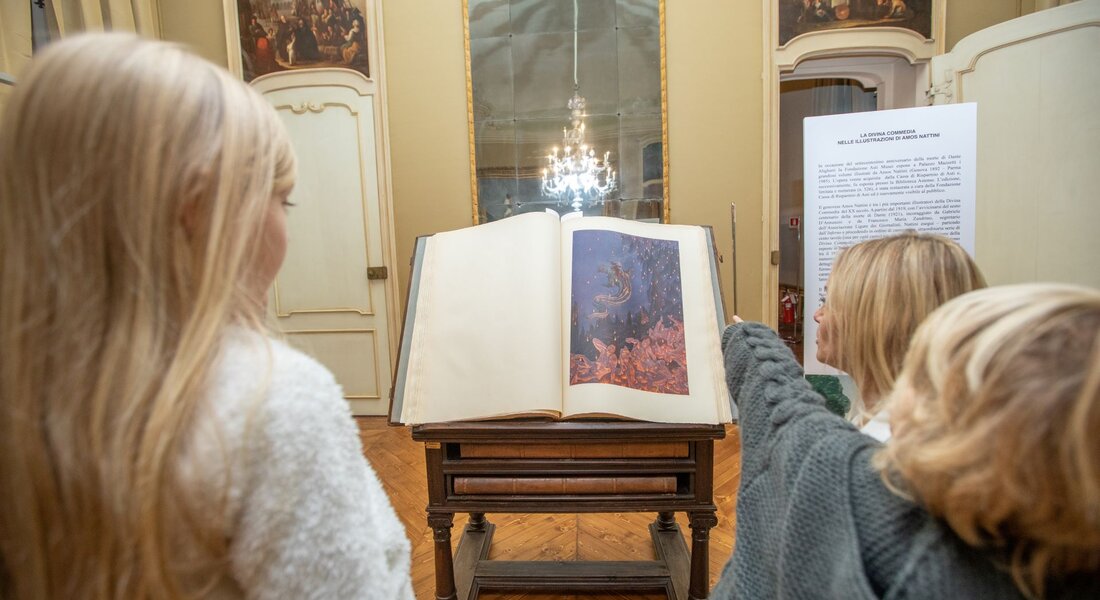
x=536 y=315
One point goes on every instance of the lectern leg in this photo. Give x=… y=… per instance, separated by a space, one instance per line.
x=441 y=525
x=700 y=523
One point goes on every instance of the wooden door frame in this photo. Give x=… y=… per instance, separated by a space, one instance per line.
x=779 y=60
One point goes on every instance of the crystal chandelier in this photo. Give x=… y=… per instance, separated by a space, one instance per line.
x=577 y=174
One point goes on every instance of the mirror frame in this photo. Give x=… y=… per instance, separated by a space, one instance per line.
x=665 y=212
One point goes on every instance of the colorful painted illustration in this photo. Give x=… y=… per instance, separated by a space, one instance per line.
x=627 y=325
x=278 y=35
x=803 y=16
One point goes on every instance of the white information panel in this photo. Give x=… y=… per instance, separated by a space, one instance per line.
x=873 y=174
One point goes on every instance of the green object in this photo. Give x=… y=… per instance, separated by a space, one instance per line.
x=829 y=387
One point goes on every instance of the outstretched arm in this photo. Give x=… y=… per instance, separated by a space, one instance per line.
x=774 y=401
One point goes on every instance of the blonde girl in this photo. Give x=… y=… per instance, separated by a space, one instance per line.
x=879 y=291
x=153 y=441
x=990 y=487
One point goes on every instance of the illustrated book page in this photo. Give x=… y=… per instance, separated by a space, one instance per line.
x=642 y=332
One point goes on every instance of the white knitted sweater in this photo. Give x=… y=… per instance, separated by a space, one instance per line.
x=277 y=453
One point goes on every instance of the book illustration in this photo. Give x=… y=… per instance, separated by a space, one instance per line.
x=627 y=324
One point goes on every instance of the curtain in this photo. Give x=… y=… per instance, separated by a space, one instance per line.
x=15 y=41
x=66 y=17
x=838 y=96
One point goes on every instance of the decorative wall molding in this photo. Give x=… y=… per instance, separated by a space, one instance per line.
x=308 y=106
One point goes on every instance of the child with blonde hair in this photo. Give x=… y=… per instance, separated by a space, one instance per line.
x=878 y=292
x=154 y=441
x=990 y=487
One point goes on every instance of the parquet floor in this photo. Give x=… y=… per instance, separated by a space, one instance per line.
x=399 y=462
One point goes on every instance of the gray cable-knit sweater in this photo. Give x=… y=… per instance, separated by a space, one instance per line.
x=814 y=519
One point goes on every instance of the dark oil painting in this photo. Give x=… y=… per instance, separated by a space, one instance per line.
x=627 y=324
x=803 y=16
x=278 y=35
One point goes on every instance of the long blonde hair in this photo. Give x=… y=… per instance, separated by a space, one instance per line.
x=995 y=418
x=879 y=292
x=112 y=310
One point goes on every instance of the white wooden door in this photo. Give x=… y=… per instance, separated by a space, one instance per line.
x=1037 y=85
x=331 y=298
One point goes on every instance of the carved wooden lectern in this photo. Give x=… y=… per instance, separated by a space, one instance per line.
x=570 y=467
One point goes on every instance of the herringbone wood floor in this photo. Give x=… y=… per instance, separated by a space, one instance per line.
x=399 y=462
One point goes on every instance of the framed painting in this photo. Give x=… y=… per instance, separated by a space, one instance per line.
x=797 y=17
x=280 y=35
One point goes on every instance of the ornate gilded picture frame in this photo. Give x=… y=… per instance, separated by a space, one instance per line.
x=797 y=17
x=269 y=36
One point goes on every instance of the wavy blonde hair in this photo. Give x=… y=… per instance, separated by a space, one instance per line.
x=995 y=418
x=113 y=310
x=879 y=292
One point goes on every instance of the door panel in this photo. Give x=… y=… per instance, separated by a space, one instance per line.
x=343 y=352
x=322 y=299
x=333 y=173
x=1037 y=87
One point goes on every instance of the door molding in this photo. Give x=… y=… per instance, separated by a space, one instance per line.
x=781 y=61
x=349 y=159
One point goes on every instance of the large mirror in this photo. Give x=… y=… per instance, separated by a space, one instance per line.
x=523 y=69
